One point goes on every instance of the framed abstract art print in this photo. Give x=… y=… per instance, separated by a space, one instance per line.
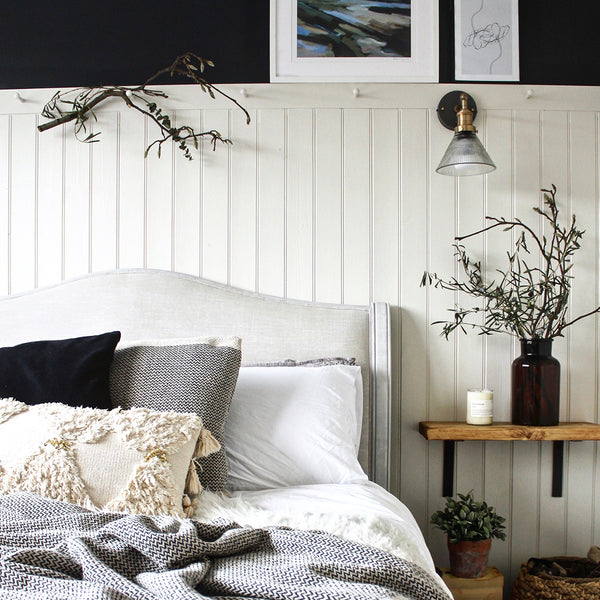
x=354 y=40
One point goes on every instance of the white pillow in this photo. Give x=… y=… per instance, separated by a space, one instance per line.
x=294 y=426
x=136 y=460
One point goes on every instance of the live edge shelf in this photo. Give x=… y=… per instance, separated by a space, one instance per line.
x=451 y=432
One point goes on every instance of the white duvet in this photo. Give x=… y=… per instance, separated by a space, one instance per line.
x=362 y=512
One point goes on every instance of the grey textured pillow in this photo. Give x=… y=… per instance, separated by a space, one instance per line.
x=185 y=375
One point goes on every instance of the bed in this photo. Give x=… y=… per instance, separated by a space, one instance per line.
x=117 y=482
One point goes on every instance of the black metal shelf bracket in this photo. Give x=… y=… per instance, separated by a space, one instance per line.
x=558 y=453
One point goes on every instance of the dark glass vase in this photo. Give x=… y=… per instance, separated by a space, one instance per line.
x=535 y=384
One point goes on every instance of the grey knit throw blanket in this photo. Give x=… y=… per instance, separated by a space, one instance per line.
x=57 y=551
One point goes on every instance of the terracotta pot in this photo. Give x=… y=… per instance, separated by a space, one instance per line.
x=469 y=559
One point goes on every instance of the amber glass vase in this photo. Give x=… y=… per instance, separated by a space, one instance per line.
x=535 y=384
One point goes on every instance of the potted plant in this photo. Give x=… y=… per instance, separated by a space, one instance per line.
x=470 y=527
x=528 y=299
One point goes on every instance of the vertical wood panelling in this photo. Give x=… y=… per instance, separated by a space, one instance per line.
x=385 y=268
x=357 y=138
x=5 y=139
x=497 y=348
x=159 y=198
x=524 y=530
x=442 y=373
x=299 y=215
x=583 y=351
x=328 y=205
x=186 y=203
x=337 y=200
x=555 y=165
x=414 y=177
x=22 y=203
x=131 y=170
x=50 y=206
x=77 y=199
x=271 y=144
x=104 y=195
x=215 y=201
x=243 y=202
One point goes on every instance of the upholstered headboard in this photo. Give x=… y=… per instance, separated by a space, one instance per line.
x=151 y=304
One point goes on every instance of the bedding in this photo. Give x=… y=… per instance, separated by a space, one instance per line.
x=56 y=550
x=195 y=375
x=302 y=521
x=73 y=371
x=294 y=425
x=136 y=460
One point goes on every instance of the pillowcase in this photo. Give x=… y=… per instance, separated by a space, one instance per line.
x=136 y=460
x=293 y=426
x=196 y=375
x=72 y=371
x=313 y=362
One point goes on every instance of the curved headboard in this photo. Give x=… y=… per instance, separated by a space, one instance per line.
x=152 y=304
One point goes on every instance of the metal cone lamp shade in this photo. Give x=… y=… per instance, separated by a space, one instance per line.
x=465 y=154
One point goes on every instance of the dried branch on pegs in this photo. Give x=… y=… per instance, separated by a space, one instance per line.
x=79 y=105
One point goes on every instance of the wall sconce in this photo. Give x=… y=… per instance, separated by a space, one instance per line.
x=465 y=154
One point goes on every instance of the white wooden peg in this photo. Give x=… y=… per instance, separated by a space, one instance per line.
x=356 y=92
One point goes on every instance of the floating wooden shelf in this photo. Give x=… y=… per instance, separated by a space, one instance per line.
x=455 y=431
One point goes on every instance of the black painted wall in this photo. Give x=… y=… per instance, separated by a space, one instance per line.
x=64 y=43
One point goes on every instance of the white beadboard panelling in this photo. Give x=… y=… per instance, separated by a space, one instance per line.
x=159 y=198
x=271 y=144
x=187 y=202
x=216 y=200
x=77 y=206
x=50 y=205
x=583 y=351
x=104 y=194
x=357 y=136
x=555 y=165
x=414 y=178
x=299 y=213
x=5 y=189
x=23 y=205
x=243 y=201
x=385 y=159
x=328 y=205
x=131 y=169
x=334 y=198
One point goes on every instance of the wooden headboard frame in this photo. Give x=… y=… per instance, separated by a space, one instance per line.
x=153 y=304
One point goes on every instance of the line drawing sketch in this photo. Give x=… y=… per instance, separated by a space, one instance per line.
x=482 y=37
x=486 y=39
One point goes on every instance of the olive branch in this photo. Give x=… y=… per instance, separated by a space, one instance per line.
x=529 y=302
x=79 y=105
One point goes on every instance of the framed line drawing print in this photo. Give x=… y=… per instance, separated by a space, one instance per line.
x=486 y=40
x=354 y=40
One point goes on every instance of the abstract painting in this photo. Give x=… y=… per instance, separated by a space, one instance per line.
x=353 y=28
x=486 y=40
x=354 y=40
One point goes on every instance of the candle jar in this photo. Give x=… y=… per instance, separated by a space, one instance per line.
x=480 y=407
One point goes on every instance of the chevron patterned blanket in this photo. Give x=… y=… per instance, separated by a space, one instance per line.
x=52 y=550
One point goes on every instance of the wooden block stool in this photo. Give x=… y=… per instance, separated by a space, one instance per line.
x=488 y=587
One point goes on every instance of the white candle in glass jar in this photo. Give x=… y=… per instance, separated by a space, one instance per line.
x=480 y=407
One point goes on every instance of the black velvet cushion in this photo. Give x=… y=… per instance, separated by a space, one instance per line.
x=73 y=371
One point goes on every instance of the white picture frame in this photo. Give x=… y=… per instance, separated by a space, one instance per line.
x=486 y=40
x=420 y=66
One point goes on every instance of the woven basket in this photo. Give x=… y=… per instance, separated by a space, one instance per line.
x=554 y=587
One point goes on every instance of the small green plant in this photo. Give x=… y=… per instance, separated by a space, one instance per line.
x=466 y=519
